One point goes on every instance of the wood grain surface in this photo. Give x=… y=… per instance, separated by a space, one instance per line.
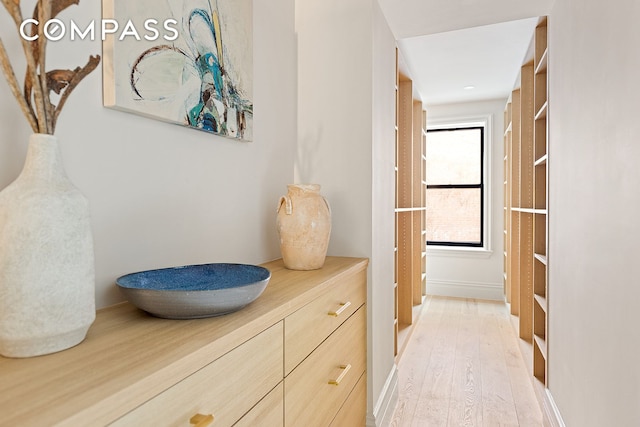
x=463 y=367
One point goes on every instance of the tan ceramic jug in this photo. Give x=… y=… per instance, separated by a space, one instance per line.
x=304 y=226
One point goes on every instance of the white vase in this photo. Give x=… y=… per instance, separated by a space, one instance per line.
x=47 y=278
x=304 y=226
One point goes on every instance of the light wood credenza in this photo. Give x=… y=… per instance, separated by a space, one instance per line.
x=294 y=357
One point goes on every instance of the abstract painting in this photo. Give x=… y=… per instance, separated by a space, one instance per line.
x=188 y=62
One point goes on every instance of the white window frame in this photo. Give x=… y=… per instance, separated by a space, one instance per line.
x=461 y=122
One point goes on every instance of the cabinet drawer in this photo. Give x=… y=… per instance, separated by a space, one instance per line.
x=269 y=412
x=310 y=398
x=354 y=411
x=226 y=388
x=306 y=328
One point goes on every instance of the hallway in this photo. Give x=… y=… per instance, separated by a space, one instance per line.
x=463 y=367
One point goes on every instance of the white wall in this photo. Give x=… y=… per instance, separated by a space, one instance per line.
x=381 y=295
x=163 y=195
x=473 y=274
x=345 y=143
x=594 y=292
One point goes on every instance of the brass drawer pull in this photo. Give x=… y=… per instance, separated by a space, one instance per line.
x=199 y=420
x=345 y=369
x=338 y=312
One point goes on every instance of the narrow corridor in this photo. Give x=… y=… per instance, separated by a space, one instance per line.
x=462 y=367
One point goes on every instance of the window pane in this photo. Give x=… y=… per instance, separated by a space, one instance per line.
x=454 y=215
x=453 y=156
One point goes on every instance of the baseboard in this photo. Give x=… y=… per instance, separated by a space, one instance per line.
x=552 y=412
x=450 y=288
x=386 y=404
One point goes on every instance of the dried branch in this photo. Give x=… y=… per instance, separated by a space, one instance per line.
x=13 y=7
x=15 y=88
x=58 y=6
x=34 y=48
x=57 y=80
x=44 y=14
x=78 y=75
x=35 y=101
x=53 y=8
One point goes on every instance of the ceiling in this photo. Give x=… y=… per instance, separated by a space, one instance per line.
x=448 y=45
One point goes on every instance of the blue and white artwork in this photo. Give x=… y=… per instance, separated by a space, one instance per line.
x=188 y=62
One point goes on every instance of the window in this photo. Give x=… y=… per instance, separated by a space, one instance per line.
x=455 y=186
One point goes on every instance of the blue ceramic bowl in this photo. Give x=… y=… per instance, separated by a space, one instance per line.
x=195 y=291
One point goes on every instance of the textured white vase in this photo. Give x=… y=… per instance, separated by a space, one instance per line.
x=47 y=279
x=304 y=227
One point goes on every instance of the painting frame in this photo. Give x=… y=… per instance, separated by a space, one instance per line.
x=187 y=62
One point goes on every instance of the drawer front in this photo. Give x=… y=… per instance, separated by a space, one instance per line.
x=269 y=412
x=310 y=397
x=308 y=327
x=354 y=411
x=227 y=388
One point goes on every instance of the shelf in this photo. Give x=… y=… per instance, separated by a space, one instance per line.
x=542 y=112
x=524 y=210
x=541 y=258
x=399 y=210
x=542 y=302
x=530 y=211
x=541 y=343
x=541 y=161
x=542 y=65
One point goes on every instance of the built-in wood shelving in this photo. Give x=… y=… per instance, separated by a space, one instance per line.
x=541 y=150
x=526 y=202
x=512 y=175
x=410 y=255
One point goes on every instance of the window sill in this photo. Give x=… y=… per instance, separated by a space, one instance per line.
x=458 y=252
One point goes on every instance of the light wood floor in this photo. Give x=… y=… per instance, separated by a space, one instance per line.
x=462 y=367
